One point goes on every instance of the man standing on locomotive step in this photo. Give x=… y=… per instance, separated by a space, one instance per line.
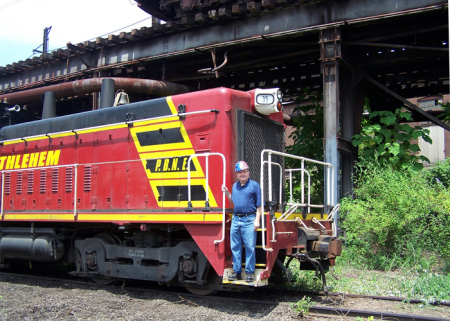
x=246 y=197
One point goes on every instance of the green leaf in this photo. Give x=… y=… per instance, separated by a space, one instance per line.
x=394 y=149
x=372 y=115
x=386 y=132
x=405 y=115
x=406 y=128
x=416 y=135
x=427 y=139
x=414 y=148
x=389 y=120
x=378 y=139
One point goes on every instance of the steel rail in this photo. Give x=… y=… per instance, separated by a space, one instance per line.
x=235 y=297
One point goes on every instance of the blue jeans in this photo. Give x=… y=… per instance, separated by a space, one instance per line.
x=243 y=233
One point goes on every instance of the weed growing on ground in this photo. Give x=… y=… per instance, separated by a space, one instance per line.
x=301 y=307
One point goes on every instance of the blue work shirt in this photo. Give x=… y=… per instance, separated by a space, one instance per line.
x=247 y=198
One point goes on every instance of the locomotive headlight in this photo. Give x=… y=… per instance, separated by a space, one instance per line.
x=268 y=101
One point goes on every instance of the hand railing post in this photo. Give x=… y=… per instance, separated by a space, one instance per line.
x=75 y=214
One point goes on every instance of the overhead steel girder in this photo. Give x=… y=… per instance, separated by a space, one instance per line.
x=408 y=104
x=283 y=23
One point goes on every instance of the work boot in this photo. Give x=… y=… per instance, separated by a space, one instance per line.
x=235 y=276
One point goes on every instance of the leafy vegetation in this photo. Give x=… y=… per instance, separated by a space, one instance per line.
x=440 y=174
x=397 y=223
x=397 y=219
x=389 y=142
x=301 y=307
x=446 y=115
x=308 y=142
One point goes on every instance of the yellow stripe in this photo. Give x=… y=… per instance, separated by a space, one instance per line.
x=59 y=135
x=113 y=217
x=309 y=216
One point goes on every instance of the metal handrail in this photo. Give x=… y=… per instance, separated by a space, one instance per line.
x=294 y=206
x=270 y=197
x=206 y=155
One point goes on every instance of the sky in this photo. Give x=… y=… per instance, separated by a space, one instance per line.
x=22 y=23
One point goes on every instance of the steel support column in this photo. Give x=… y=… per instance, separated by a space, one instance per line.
x=329 y=52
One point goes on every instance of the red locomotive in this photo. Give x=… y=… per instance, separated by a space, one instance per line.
x=134 y=191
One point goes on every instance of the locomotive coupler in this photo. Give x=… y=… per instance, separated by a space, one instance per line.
x=303 y=257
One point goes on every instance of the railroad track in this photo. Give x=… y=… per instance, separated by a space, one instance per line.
x=227 y=297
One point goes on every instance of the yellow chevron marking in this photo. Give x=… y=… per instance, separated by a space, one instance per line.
x=184 y=182
x=159 y=147
x=170 y=165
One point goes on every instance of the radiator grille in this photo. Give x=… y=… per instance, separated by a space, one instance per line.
x=55 y=180
x=69 y=179
x=255 y=134
x=19 y=182
x=30 y=182
x=87 y=178
x=43 y=181
x=7 y=183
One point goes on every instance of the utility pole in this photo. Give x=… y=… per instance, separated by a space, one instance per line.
x=44 y=43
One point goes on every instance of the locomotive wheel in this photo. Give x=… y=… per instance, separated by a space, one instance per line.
x=213 y=279
x=110 y=239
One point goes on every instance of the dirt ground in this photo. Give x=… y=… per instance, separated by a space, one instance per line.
x=28 y=299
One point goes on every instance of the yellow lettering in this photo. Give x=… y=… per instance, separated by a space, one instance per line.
x=17 y=162
x=34 y=157
x=158 y=165
x=42 y=156
x=174 y=164
x=185 y=159
x=166 y=164
x=53 y=157
x=2 y=161
x=10 y=162
x=25 y=160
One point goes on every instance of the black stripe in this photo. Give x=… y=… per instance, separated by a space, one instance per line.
x=180 y=193
x=141 y=110
x=159 y=137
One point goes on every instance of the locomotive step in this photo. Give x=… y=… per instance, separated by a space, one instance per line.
x=257 y=278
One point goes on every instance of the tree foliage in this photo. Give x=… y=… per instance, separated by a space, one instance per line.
x=308 y=142
x=446 y=115
x=390 y=141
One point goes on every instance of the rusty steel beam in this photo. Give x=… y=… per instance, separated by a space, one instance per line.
x=79 y=87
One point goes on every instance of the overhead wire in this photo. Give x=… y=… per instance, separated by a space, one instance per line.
x=10 y=4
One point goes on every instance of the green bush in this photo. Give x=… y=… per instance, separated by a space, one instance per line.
x=396 y=219
x=440 y=174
